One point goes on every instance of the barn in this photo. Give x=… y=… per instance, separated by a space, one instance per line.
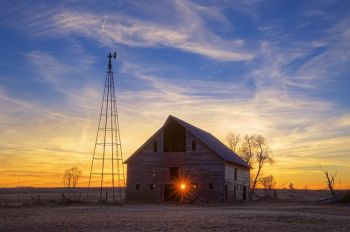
x=183 y=162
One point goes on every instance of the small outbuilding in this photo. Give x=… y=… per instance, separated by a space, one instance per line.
x=183 y=162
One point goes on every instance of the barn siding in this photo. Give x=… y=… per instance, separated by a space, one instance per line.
x=235 y=187
x=147 y=167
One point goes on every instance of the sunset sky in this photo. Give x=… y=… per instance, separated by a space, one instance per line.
x=276 y=68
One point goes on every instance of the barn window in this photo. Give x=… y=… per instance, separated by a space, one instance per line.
x=211 y=186
x=137 y=186
x=235 y=174
x=174 y=137
x=193 y=145
x=155 y=146
x=174 y=173
x=152 y=186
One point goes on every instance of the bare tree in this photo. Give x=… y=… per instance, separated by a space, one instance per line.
x=232 y=141
x=246 y=150
x=267 y=182
x=71 y=177
x=291 y=186
x=254 y=150
x=330 y=177
x=291 y=190
x=67 y=178
x=262 y=155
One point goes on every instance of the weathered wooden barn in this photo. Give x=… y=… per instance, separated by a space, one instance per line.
x=183 y=162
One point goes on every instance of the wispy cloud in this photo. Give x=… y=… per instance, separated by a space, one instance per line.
x=193 y=37
x=304 y=130
x=297 y=125
x=133 y=32
x=278 y=91
x=48 y=135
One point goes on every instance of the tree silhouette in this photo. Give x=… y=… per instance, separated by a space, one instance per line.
x=330 y=178
x=255 y=151
x=71 y=177
x=232 y=141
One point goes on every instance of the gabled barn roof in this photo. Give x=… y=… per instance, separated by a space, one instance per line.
x=208 y=139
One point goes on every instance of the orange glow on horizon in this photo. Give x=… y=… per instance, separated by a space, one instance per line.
x=37 y=165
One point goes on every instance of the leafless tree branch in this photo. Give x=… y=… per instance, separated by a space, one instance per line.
x=71 y=177
x=232 y=141
x=330 y=177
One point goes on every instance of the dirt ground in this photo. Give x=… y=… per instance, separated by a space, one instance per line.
x=293 y=211
x=173 y=217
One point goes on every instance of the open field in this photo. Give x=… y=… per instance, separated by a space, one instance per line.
x=257 y=216
x=24 y=195
x=172 y=217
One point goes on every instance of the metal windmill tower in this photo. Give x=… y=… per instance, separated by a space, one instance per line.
x=107 y=170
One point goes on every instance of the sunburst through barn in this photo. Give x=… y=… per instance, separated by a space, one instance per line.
x=181 y=162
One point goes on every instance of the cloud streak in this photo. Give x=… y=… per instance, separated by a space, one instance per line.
x=302 y=140
x=136 y=33
x=193 y=37
x=274 y=90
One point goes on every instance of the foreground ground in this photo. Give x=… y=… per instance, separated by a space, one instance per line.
x=172 y=217
x=45 y=210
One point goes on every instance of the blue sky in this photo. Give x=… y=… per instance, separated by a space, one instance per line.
x=276 y=68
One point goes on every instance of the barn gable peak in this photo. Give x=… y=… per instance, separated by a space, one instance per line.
x=208 y=139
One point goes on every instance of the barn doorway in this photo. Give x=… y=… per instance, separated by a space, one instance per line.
x=170 y=193
x=244 y=193
x=235 y=193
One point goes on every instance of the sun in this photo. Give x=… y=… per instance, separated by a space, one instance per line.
x=183 y=187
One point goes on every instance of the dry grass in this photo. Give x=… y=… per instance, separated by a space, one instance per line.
x=165 y=217
x=261 y=216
